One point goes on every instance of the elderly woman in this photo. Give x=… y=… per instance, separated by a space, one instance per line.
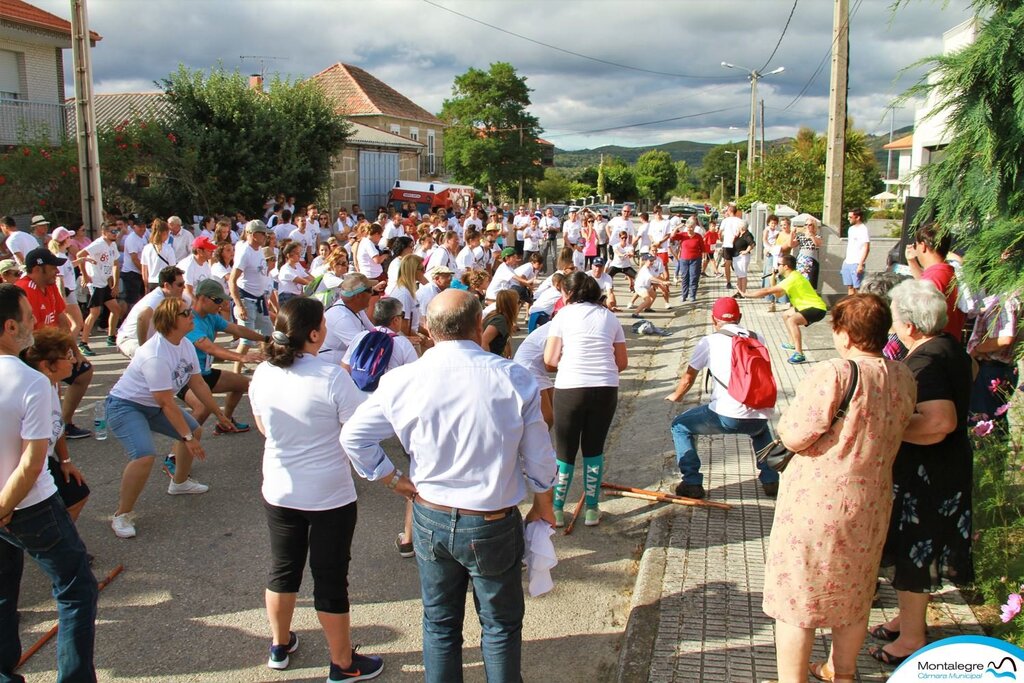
x=142 y=402
x=299 y=403
x=743 y=248
x=834 y=499
x=810 y=246
x=930 y=529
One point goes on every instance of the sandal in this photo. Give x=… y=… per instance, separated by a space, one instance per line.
x=885 y=657
x=880 y=632
x=822 y=671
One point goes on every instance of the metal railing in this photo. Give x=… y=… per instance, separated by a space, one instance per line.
x=28 y=121
x=431 y=167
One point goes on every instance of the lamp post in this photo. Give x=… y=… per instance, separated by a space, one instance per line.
x=753 y=76
x=737 y=154
x=721 y=189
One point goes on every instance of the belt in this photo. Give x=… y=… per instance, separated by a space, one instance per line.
x=489 y=515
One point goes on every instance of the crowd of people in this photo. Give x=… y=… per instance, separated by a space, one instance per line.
x=368 y=321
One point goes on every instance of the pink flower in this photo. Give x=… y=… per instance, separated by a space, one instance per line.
x=983 y=428
x=1012 y=607
x=994 y=385
x=1001 y=410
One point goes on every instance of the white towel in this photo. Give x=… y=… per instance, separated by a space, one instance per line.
x=540 y=557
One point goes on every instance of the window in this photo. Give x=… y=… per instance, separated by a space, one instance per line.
x=414 y=134
x=10 y=80
x=396 y=129
x=431 y=159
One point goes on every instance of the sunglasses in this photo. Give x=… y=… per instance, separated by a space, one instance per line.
x=217 y=300
x=187 y=313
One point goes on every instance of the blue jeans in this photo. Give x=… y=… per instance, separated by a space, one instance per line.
x=453 y=550
x=46 y=533
x=690 y=278
x=703 y=420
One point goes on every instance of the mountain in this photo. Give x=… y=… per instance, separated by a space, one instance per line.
x=693 y=152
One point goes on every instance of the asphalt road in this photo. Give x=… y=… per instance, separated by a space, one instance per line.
x=189 y=604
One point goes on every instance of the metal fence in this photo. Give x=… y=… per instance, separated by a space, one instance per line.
x=431 y=166
x=25 y=120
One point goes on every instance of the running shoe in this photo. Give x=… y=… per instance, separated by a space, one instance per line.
x=122 y=526
x=168 y=467
x=592 y=516
x=559 y=519
x=187 y=487
x=797 y=358
x=362 y=668
x=239 y=428
x=404 y=549
x=111 y=341
x=86 y=351
x=786 y=346
x=72 y=431
x=279 y=653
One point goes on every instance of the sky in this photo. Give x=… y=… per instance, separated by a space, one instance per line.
x=636 y=61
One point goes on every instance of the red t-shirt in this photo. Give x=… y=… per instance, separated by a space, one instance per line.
x=691 y=247
x=943 y=277
x=711 y=238
x=46 y=305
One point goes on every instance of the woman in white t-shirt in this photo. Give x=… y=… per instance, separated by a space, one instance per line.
x=368 y=256
x=299 y=403
x=156 y=255
x=291 y=276
x=62 y=246
x=142 y=403
x=410 y=277
x=400 y=247
x=588 y=348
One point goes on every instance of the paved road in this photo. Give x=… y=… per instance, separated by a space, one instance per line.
x=189 y=605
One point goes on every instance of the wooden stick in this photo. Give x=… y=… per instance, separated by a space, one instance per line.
x=575 y=513
x=664 y=497
x=53 y=631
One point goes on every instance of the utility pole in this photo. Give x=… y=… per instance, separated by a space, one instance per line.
x=520 y=199
x=892 y=124
x=753 y=76
x=85 y=121
x=835 y=154
x=762 y=132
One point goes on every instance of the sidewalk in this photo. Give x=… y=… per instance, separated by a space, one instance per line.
x=696 y=610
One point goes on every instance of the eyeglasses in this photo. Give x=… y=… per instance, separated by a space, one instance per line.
x=187 y=313
x=217 y=300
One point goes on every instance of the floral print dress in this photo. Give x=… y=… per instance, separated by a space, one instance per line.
x=834 y=498
x=929 y=535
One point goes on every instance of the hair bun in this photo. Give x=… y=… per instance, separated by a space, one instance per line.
x=280 y=337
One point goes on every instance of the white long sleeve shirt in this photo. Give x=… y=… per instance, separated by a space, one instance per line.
x=470 y=444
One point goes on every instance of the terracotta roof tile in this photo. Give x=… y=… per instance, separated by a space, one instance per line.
x=357 y=93
x=20 y=12
x=905 y=142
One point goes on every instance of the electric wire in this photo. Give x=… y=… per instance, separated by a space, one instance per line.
x=784 y=28
x=824 y=59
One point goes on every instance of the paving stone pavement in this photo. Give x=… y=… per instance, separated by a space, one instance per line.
x=703 y=568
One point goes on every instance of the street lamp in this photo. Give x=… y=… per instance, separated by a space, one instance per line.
x=737 y=154
x=753 y=76
x=721 y=189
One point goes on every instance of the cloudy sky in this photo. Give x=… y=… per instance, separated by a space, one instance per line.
x=661 y=59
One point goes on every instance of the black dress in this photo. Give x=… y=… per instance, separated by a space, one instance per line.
x=498 y=322
x=930 y=529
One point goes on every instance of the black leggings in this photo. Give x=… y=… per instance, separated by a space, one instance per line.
x=582 y=419
x=327 y=537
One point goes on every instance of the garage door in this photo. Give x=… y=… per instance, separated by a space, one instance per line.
x=378 y=172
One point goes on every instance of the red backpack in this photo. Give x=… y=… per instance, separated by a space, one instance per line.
x=750 y=372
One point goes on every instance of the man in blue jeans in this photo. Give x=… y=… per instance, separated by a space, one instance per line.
x=469 y=451
x=724 y=414
x=33 y=519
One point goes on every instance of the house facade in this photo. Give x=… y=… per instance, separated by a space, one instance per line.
x=32 y=44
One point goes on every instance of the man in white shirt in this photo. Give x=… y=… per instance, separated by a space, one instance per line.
x=305 y=234
x=597 y=271
x=623 y=221
x=660 y=231
x=440 y=280
x=248 y=283
x=136 y=328
x=101 y=276
x=505 y=278
x=18 y=243
x=284 y=227
x=469 y=451
x=729 y=228
x=858 y=246
x=549 y=227
x=180 y=238
x=131 y=268
x=519 y=223
x=196 y=266
x=571 y=228
x=347 y=317
x=724 y=414
x=33 y=519
x=473 y=219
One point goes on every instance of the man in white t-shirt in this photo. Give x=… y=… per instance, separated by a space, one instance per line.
x=858 y=246
x=729 y=228
x=283 y=228
x=572 y=228
x=131 y=265
x=347 y=317
x=440 y=280
x=248 y=283
x=473 y=220
x=196 y=266
x=179 y=238
x=549 y=226
x=137 y=328
x=597 y=271
x=101 y=276
x=33 y=519
x=659 y=232
x=505 y=277
x=724 y=414
x=305 y=235
x=622 y=222
x=18 y=243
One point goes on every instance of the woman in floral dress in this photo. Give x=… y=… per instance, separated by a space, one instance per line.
x=834 y=499
x=810 y=245
x=930 y=530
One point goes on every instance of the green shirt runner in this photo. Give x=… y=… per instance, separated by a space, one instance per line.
x=800 y=292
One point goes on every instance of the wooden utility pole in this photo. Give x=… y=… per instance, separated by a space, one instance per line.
x=762 y=132
x=85 y=121
x=835 y=155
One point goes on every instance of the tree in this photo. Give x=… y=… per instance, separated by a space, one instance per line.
x=239 y=145
x=684 y=180
x=655 y=174
x=975 y=188
x=555 y=187
x=619 y=180
x=717 y=164
x=491 y=140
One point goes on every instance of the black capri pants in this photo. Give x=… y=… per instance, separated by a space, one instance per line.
x=582 y=418
x=326 y=535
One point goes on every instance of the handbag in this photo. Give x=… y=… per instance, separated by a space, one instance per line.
x=776 y=456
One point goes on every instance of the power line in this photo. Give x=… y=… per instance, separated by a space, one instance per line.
x=568 y=52
x=643 y=123
x=784 y=28
x=824 y=59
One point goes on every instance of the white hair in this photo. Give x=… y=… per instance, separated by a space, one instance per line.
x=174 y=220
x=919 y=303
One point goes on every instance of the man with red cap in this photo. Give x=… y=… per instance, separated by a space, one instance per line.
x=196 y=266
x=724 y=414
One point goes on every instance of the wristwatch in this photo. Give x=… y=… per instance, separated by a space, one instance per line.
x=394 y=480
x=187 y=438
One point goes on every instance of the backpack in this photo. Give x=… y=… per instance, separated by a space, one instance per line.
x=750 y=378
x=370 y=359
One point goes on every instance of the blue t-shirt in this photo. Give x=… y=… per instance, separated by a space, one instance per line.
x=206 y=326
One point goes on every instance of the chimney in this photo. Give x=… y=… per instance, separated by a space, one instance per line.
x=256 y=82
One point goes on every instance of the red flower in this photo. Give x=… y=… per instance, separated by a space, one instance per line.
x=42 y=202
x=122 y=146
x=171 y=137
x=74 y=169
x=26 y=151
x=3 y=180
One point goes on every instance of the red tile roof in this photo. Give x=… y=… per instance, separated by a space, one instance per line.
x=357 y=93
x=20 y=12
x=905 y=142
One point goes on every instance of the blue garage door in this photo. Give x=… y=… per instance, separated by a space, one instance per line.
x=378 y=172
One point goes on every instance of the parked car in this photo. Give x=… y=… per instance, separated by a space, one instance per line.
x=558 y=209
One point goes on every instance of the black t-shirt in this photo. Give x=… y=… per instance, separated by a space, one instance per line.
x=742 y=243
x=498 y=322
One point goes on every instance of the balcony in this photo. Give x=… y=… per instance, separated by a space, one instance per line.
x=28 y=121
x=431 y=167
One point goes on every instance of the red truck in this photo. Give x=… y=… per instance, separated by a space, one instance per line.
x=428 y=197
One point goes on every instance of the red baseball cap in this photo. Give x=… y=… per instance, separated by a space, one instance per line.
x=203 y=242
x=727 y=310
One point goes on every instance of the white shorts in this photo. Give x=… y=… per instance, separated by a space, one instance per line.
x=740 y=263
x=643 y=292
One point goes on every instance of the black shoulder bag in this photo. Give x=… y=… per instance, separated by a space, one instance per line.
x=776 y=456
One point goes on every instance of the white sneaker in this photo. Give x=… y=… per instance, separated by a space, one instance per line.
x=122 y=526
x=186 y=487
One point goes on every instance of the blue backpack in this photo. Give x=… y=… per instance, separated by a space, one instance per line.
x=370 y=359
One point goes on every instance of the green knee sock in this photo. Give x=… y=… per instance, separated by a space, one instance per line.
x=563 y=482
x=593 y=472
